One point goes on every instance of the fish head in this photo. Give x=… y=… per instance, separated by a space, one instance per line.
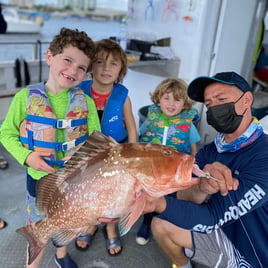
x=160 y=169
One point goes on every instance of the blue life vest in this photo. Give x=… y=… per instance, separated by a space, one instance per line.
x=112 y=122
x=38 y=130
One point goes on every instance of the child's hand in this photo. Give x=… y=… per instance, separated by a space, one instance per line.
x=154 y=204
x=35 y=161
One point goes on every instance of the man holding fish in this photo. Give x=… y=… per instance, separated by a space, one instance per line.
x=222 y=220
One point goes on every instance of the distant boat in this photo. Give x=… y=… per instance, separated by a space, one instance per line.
x=17 y=24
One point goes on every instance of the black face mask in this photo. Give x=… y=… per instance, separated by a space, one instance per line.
x=224 y=118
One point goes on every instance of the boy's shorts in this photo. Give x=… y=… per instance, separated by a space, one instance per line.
x=215 y=250
x=32 y=214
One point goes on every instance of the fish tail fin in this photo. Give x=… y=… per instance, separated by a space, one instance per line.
x=35 y=245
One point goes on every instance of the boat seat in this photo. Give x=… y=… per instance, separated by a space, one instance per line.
x=260 y=104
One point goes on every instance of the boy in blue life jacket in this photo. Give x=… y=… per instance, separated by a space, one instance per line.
x=47 y=122
x=115 y=114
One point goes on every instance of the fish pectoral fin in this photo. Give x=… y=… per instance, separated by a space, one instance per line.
x=128 y=221
x=63 y=237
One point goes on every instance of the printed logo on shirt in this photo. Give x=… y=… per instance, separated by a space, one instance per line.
x=236 y=172
x=250 y=199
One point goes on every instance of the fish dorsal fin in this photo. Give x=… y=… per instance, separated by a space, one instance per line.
x=96 y=144
x=45 y=190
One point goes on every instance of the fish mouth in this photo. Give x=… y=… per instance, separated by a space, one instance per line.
x=162 y=190
x=181 y=172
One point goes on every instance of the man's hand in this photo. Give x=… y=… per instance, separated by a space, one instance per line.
x=225 y=181
x=35 y=161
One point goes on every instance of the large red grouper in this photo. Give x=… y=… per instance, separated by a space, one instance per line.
x=104 y=179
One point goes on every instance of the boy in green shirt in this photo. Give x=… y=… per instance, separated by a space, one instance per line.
x=47 y=122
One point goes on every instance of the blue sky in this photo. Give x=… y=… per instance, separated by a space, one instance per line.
x=116 y=4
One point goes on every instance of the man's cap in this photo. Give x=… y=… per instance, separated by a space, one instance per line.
x=197 y=87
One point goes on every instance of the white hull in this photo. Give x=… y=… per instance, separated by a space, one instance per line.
x=17 y=24
x=23 y=26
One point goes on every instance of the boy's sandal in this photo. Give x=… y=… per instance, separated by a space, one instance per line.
x=3 y=225
x=86 y=237
x=3 y=163
x=66 y=261
x=112 y=243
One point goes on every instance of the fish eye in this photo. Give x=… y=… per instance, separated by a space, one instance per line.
x=167 y=152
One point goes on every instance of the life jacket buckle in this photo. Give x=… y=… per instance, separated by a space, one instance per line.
x=68 y=145
x=64 y=123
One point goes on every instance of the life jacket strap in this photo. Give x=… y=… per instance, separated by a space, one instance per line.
x=58 y=146
x=53 y=163
x=56 y=123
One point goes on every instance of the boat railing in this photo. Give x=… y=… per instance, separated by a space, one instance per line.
x=38 y=69
x=37 y=47
x=34 y=58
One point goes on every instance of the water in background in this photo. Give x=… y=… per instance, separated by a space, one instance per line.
x=95 y=29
